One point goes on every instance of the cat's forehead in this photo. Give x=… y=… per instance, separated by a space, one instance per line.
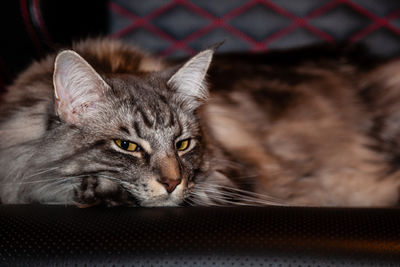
x=147 y=98
x=144 y=106
x=148 y=87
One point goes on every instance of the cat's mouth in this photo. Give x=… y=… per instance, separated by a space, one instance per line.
x=161 y=198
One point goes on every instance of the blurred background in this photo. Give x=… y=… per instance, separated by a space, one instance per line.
x=175 y=28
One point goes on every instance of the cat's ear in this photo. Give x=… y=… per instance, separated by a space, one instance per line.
x=189 y=81
x=78 y=88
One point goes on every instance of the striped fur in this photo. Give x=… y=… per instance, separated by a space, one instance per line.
x=312 y=130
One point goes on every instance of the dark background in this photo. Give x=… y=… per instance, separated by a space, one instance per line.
x=32 y=28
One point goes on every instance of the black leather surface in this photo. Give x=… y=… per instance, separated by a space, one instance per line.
x=275 y=236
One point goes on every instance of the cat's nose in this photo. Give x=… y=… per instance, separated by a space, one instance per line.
x=169 y=184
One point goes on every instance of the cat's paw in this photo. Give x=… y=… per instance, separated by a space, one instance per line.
x=94 y=191
x=85 y=194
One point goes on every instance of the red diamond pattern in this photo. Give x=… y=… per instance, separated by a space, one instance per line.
x=183 y=27
x=371 y=23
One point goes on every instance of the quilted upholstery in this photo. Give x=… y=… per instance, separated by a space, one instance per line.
x=181 y=27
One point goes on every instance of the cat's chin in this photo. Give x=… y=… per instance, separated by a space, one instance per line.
x=161 y=203
x=167 y=200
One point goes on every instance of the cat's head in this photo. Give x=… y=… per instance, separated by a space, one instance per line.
x=131 y=139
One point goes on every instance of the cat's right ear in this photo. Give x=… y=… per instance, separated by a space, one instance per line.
x=78 y=88
x=189 y=81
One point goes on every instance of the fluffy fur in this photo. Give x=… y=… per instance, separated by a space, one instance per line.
x=287 y=128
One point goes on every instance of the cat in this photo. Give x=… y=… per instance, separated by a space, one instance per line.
x=104 y=123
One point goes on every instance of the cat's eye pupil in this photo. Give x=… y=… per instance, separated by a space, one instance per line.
x=124 y=144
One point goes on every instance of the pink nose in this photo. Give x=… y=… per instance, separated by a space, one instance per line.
x=169 y=184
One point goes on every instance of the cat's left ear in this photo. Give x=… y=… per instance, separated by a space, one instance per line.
x=78 y=88
x=189 y=81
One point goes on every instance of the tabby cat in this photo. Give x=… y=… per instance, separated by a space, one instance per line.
x=104 y=123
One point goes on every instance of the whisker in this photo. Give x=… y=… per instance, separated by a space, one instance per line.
x=239 y=196
x=238 y=190
x=57 y=179
x=40 y=173
x=199 y=202
x=241 y=200
x=64 y=187
x=223 y=202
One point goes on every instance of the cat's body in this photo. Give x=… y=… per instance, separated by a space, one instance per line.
x=321 y=131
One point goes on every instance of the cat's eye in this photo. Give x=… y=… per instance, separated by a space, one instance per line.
x=183 y=145
x=126 y=145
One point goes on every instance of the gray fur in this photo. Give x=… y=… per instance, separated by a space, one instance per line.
x=314 y=132
x=61 y=148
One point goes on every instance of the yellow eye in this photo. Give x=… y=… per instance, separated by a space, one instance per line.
x=183 y=145
x=126 y=145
